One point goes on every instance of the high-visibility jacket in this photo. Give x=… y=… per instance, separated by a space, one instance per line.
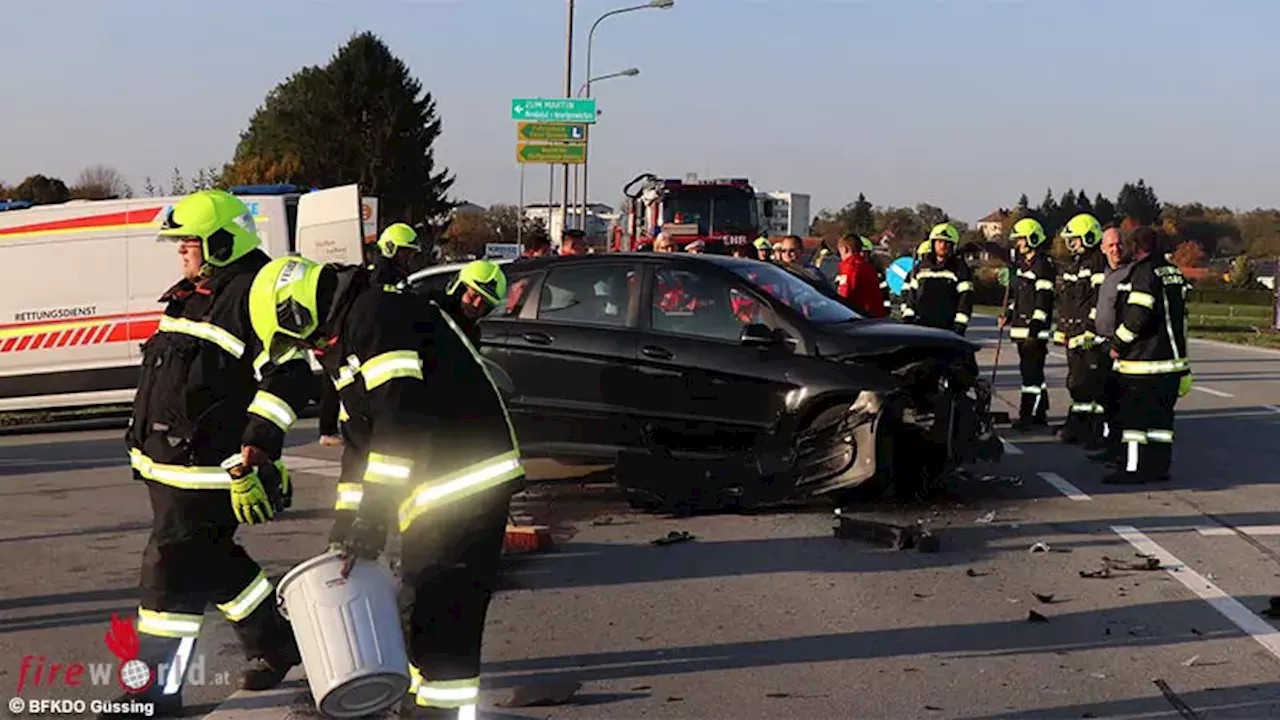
x=199 y=398
x=858 y=285
x=1077 y=304
x=1151 y=338
x=426 y=426
x=939 y=294
x=1030 y=309
x=885 y=291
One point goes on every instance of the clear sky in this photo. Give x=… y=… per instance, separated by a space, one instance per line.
x=962 y=104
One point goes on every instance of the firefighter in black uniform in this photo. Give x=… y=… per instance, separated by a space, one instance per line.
x=1151 y=365
x=203 y=428
x=1029 y=315
x=939 y=292
x=429 y=446
x=1077 y=308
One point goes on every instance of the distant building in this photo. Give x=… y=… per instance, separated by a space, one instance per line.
x=992 y=225
x=468 y=207
x=599 y=220
x=783 y=213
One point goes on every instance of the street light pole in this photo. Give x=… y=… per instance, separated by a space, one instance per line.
x=586 y=158
x=568 y=93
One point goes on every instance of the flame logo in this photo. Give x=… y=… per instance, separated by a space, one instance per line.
x=122 y=640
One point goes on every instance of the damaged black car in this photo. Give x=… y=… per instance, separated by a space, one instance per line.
x=713 y=382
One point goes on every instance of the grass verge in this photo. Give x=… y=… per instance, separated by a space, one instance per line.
x=1238 y=324
x=57 y=415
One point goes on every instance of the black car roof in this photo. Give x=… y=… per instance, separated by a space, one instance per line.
x=725 y=261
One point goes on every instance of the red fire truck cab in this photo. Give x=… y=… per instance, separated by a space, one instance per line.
x=721 y=212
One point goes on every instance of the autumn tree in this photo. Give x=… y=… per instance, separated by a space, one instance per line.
x=100 y=182
x=41 y=190
x=1189 y=254
x=361 y=118
x=469 y=232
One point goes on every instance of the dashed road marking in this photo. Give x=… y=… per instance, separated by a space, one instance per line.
x=1211 y=391
x=1010 y=447
x=1254 y=530
x=1242 y=617
x=1064 y=487
x=1056 y=354
x=315 y=466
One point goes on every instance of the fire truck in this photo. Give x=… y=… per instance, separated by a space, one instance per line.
x=722 y=212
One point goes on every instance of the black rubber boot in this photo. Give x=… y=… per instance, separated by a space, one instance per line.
x=270 y=647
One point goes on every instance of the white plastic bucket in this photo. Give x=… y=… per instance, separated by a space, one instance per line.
x=349 y=635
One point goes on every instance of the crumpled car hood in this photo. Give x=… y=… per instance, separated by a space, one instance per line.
x=884 y=336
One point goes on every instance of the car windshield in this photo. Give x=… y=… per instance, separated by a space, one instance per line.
x=711 y=209
x=795 y=293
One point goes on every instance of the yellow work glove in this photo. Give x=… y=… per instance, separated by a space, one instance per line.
x=249 y=498
x=1184 y=385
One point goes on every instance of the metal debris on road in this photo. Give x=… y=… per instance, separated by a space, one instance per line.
x=988 y=518
x=1038 y=547
x=673 y=537
x=1033 y=616
x=1044 y=598
x=1190 y=661
x=898 y=537
x=546 y=694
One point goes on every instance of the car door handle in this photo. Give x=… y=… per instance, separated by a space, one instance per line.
x=537 y=338
x=655 y=352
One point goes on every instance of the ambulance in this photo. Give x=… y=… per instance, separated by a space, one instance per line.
x=80 y=283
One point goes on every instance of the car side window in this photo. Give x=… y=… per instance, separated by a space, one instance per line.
x=517 y=293
x=692 y=303
x=592 y=294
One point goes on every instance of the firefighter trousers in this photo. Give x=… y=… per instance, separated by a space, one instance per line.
x=451 y=565
x=1110 y=403
x=1086 y=384
x=1035 y=392
x=1146 y=423
x=190 y=562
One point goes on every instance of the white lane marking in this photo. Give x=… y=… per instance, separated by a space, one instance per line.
x=1064 y=487
x=1056 y=354
x=1010 y=447
x=1230 y=608
x=1254 y=530
x=1266 y=411
x=1234 y=346
x=1211 y=391
x=1272 y=408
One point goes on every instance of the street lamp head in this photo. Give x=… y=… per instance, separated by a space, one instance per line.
x=630 y=72
x=661 y=4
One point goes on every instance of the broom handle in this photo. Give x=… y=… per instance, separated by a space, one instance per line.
x=1000 y=332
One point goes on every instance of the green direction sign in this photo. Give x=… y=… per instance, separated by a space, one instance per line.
x=559 y=132
x=551 y=154
x=554 y=110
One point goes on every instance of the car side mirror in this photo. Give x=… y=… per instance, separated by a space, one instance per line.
x=758 y=335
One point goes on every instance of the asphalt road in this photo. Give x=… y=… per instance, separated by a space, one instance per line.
x=768 y=615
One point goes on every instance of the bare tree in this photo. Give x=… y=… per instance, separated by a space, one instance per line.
x=148 y=187
x=99 y=182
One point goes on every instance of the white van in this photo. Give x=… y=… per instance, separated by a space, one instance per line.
x=80 y=283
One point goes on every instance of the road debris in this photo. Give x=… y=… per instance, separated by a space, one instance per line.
x=673 y=537
x=777 y=695
x=1103 y=572
x=527 y=538
x=1047 y=599
x=1033 y=616
x=988 y=518
x=974 y=573
x=1273 y=608
x=559 y=692
x=1178 y=703
x=898 y=537
x=1038 y=547
x=1190 y=661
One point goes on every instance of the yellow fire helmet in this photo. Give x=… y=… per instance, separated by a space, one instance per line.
x=1030 y=229
x=485 y=277
x=219 y=220
x=946 y=232
x=1086 y=227
x=283 y=304
x=398 y=236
